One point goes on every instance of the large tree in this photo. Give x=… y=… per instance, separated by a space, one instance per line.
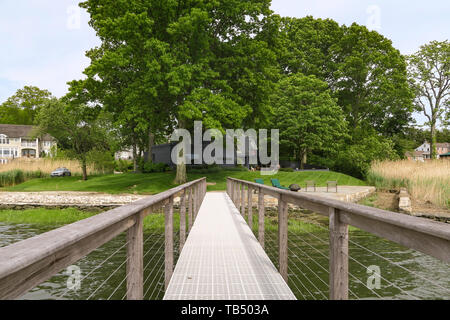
x=308 y=116
x=362 y=68
x=429 y=74
x=22 y=107
x=164 y=64
x=77 y=128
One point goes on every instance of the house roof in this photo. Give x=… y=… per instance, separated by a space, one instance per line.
x=19 y=131
x=443 y=145
x=445 y=154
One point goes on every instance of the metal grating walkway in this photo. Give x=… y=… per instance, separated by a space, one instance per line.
x=222 y=259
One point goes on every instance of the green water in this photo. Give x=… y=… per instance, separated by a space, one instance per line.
x=405 y=273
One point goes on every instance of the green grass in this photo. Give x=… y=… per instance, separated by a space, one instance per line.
x=59 y=217
x=153 y=183
x=55 y=218
x=52 y=217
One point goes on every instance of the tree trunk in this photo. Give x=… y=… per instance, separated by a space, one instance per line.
x=433 y=153
x=84 y=169
x=151 y=143
x=303 y=158
x=134 y=158
x=181 y=176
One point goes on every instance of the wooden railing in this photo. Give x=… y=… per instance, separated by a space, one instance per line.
x=28 y=263
x=426 y=236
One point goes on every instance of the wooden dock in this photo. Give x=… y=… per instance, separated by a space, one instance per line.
x=222 y=259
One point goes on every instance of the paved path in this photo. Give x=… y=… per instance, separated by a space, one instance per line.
x=222 y=259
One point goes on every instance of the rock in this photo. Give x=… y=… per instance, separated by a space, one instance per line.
x=404 y=202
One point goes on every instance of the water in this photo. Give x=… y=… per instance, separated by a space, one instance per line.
x=407 y=275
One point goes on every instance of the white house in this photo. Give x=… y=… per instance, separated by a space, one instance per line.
x=16 y=142
x=423 y=152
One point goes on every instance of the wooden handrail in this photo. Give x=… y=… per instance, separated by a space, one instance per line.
x=26 y=264
x=427 y=236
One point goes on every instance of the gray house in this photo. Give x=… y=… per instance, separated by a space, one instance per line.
x=163 y=154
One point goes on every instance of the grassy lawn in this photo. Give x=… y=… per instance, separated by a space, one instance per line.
x=157 y=182
x=55 y=218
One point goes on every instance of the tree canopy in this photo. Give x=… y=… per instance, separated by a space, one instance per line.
x=333 y=90
x=429 y=75
x=77 y=128
x=308 y=116
x=22 y=107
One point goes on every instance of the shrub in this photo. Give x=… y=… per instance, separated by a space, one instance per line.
x=150 y=167
x=123 y=165
x=102 y=162
x=286 y=170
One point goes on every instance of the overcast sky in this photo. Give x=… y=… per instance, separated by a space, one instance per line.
x=43 y=41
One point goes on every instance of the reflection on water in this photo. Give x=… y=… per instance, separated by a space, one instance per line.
x=102 y=271
x=405 y=273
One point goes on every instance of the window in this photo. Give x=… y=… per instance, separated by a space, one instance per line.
x=4 y=139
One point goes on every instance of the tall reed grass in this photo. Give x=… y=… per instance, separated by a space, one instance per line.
x=21 y=170
x=45 y=165
x=427 y=181
x=13 y=177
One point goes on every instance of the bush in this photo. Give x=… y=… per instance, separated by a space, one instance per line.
x=123 y=165
x=102 y=162
x=357 y=158
x=150 y=167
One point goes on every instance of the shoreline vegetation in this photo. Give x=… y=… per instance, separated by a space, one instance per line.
x=21 y=170
x=153 y=183
x=299 y=220
x=427 y=182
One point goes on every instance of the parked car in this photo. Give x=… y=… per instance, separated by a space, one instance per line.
x=61 y=172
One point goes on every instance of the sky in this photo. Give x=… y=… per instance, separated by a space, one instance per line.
x=43 y=42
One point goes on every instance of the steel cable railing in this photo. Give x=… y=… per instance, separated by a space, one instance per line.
x=426 y=236
x=73 y=243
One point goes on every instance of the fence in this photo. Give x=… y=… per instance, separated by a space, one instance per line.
x=26 y=264
x=426 y=236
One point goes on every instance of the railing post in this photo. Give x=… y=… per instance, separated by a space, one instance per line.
x=283 y=237
x=205 y=189
x=261 y=213
x=338 y=257
x=190 y=215
x=237 y=195
x=168 y=262
x=199 y=197
x=250 y=207
x=135 y=260
x=243 y=200
x=194 y=201
x=231 y=194
x=183 y=219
